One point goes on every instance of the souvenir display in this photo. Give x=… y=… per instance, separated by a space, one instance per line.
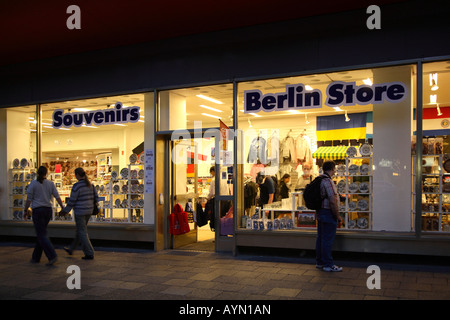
x=340 y=169
x=134 y=188
x=133 y=174
x=124 y=173
x=124 y=188
x=363 y=205
x=16 y=163
x=117 y=203
x=353 y=187
x=23 y=163
x=141 y=174
x=352 y=205
x=351 y=224
x=113 y=175
x=141 y=158
x=133 y=158
x=141 y=202
x=353 y=169
x=341 y=186
x=363 y=187
x=141 y=188
x=351 y=151
x=362 y=223
x=364 y=169
x=365 y=150
x=134 y=203
x=116 y=188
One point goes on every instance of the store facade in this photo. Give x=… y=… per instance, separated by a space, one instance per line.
x=275 y=113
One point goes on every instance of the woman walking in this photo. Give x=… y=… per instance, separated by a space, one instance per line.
x=39 y=196
x=82 y=199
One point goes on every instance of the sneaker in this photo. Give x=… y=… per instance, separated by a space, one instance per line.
x=52 y=261
x=333 y=268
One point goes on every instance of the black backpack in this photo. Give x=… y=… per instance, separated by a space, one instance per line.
x=311 y=195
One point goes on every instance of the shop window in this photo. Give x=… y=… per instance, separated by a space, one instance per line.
x=105 y=137
x=361 y=119
x=198 y=107
x=435 y=208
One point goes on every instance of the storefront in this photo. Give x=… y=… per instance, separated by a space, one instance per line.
x=198 y=129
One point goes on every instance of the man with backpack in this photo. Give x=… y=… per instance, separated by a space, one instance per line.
x=327 y=219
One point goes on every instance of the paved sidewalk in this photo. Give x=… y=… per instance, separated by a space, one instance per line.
x=189 y=275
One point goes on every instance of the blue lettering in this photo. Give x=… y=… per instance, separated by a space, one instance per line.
x=334 y=94
x=77 y=119
x=57 y=119
x=252 y=102
x=134 y=114
x=269 y=102
x=98 y=117
x=395 y=92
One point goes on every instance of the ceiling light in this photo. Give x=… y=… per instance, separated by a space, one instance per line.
x=209 y=99
x=209 y=108
x=433 y=80
x=337 y=109
x=434 y=87
x=81 y=109
x=119 y=124
x=249 y=123
x=255 y=115
x=347 y=119
x=306 y=119
x=210 y=115
x=367 y=82
x=308 y=87
x=89 y=126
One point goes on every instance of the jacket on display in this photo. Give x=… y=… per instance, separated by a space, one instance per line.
x=287 y=148
x=178 y=221
x=303 y=149
x=257 y=151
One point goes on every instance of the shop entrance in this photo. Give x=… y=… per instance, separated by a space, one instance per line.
x=191 y=160
x=185 y=181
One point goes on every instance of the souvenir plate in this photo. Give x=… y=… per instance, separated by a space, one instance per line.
x=353 y=187
x=365 y=150
x=353 y=169
x=124 y=203
x=133 y=158
x=351 y=224
x=23 y=163
x=341 y=186
x=113 y=175
x=124 y=188
x=364 y=169
x=117 y=203
x=141 y=188
x=141 y=158
x=134 y=203
x=141 y=202
x=134 y=188
x=340 y=169
x=141 y=174
x=16 y=177
x=363 y=205
x=352 y=205
x=362 y=223
x=124 y=173
x=116 y=188
x=16 y=163
x=351 y=151
x=133 y=174
x=363 y=187
x=33 y=176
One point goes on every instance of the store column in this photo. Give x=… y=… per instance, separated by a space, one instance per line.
x=149 y=145
x=392 y=155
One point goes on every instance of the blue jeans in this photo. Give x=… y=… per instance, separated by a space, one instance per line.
x=41 y=218
x=326 y=232
x=81 y=235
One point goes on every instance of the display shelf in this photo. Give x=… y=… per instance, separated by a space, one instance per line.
x=19 y=179
x=354 y=182
x=124 y=197
x=435 y=193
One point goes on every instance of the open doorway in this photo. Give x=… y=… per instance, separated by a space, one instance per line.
x=191 y=187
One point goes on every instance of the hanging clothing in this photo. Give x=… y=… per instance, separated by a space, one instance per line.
x=287 y=148
x=273 y=148
x=250 y=193
x=202 y=214
x=303 y=149
x=257 y=151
